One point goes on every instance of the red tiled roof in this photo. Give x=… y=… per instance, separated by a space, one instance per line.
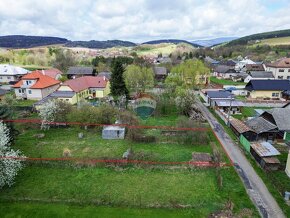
x=86 y=82
x=42 y=82
x=51 y=72
x=283 y=63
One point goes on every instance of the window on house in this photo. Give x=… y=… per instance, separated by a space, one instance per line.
x=275 y=95
x=29 y=92
x=20 y=91
x=281 y=70
x=280 y=77
x=67 y=99
x=8 y=77
x=289 y=70
x=288 y=77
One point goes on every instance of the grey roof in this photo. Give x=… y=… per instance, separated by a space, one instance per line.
x=218 y=94
x=80 y=71
x=262 y=74
x=228 y=103
x=281 y=117
x=62 y=94
x=210 y=60
x=3 y=91
x=44 y=100
x=224 y=69
x=108 y=75
x=160 y=71
x=260 y=125
x=114 y=128
x=265 y=149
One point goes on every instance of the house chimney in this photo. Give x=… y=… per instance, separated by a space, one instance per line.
x=104 y=78
x=42 y=71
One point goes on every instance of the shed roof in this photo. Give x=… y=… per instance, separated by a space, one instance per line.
x=219 y=94
x=62 y=94
x=260 y=125
x=224 y=69
x=80 y=71
x=265 y=149
x=114 y=128
x=160 y=71
x=240 y=126
x=262 y=74
x=264 y=85
x=228 y=103
x=255 y=67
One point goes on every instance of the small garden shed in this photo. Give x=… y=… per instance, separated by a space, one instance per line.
x=113 y=132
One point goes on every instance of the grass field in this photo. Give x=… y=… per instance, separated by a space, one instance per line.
x=275 y=41
x=225 y=81
x=44 y=189
x=164 y=49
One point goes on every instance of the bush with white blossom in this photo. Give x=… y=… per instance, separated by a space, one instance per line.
x=10 y=160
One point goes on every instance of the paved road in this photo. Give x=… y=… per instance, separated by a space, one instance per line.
x=256 y=189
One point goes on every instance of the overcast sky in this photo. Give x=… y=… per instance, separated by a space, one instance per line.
x=142 y=20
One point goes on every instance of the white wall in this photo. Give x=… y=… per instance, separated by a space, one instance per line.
x=7 y=79
x=280 y=75
x=47 y=91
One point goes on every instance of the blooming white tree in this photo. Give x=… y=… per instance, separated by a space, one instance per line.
x=10 y=160
x=48 y=113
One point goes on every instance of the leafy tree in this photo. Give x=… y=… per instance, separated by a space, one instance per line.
x=6 y=113
x=184 y=76
x=137 y=79
x=118 y=86
x=8 y=167
x=63 y=60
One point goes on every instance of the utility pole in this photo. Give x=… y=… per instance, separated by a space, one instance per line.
x=229 y=112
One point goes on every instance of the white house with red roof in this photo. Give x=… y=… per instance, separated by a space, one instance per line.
x=35 y=86
x=83 y=87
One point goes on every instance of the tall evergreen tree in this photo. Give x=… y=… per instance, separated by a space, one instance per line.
x=118 y=86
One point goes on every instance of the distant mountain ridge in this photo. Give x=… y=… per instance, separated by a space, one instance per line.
x=21 y=41
x=212 y=42
x=100 y=44
x=173 y=41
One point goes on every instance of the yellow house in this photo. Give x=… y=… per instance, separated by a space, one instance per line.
x=267 y=89
x=80 y=88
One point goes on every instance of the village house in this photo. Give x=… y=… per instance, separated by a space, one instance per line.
x=10 y=73
x=253 y=68
x=279 y=117
x=228 y=106
x=267 y=89
x=258 y=75
x=280 y=69
x=75 y=72
x=108 y=75
x=230 y=63
x=80 y=88
x=224 y=72
x=35 y=86
x=53 y=73
x=241 y=65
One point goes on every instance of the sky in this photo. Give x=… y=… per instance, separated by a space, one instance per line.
x=142 y=20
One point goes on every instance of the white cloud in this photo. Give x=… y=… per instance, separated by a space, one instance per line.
x=141 y=20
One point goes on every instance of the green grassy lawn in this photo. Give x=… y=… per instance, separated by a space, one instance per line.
x=275 y=41
x=24 y=103
x=93 y=146
x=225 y=81
x=131 y=187
x=117 y=191
x=248 y=112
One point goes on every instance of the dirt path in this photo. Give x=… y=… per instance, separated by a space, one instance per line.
x=256 y=189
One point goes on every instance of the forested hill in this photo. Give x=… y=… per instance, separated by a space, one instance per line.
x=260 y=36
x=174 y=41
x=100 y=44
x=20 y=41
